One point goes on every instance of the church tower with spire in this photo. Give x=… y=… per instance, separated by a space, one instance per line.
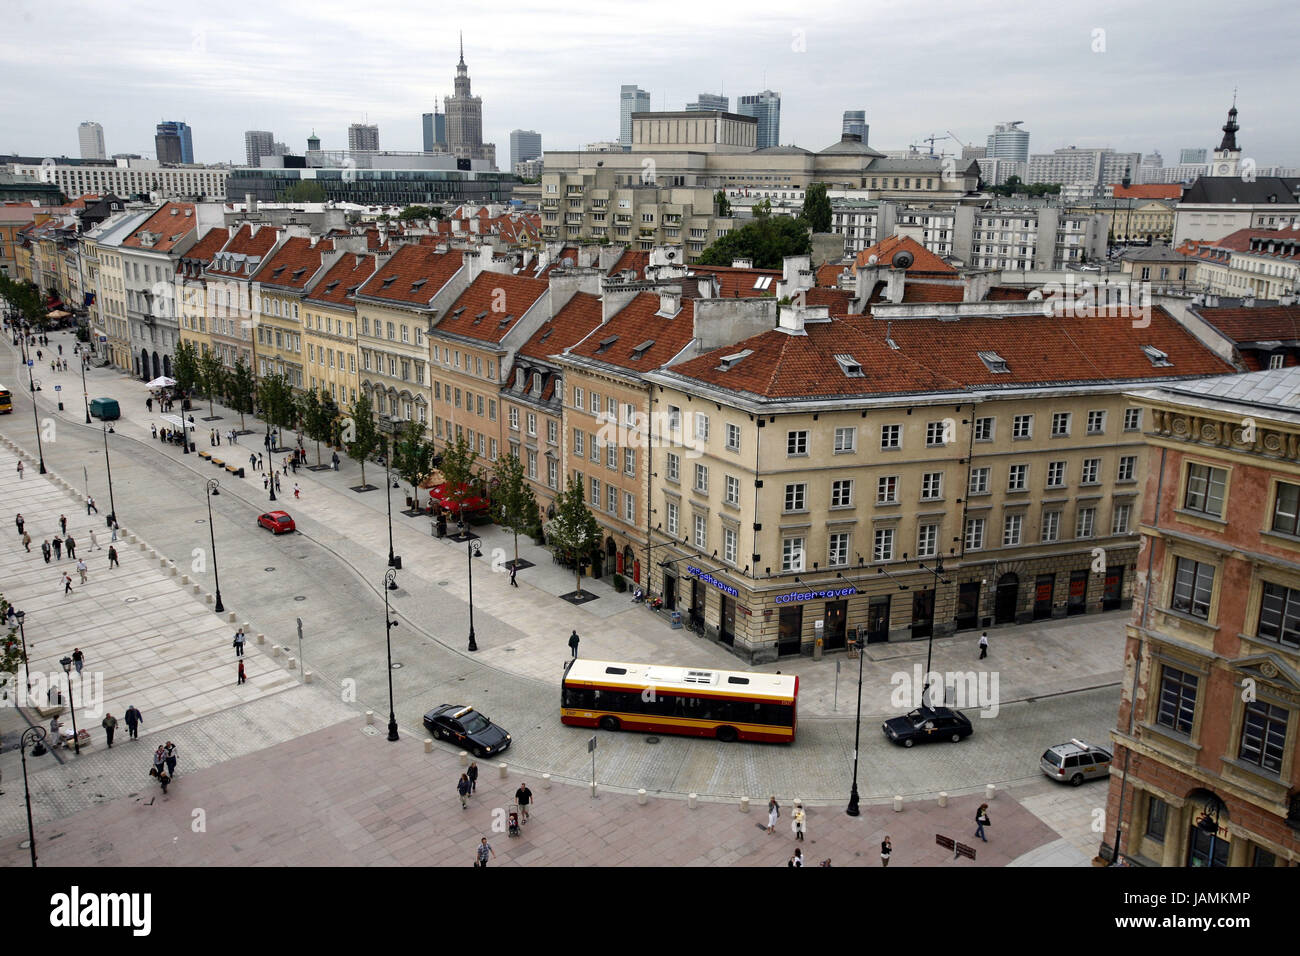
x=1227 y=158
x=465 y=118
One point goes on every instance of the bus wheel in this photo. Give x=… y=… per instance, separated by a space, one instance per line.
x=728 y=735
x=609 y=723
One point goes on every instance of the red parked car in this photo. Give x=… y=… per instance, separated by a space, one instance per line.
x=277 y=522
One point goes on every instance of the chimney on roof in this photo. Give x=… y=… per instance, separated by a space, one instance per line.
x=742 y=263
x=975 y=287
x=250 y=203
x=670 y=301
x=895 y=280
x=1248 y=302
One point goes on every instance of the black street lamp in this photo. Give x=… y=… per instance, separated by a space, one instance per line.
x=472 y=550
x=112 y=506
x=389 y=584
x=393 y=561
x=213 y=486
x=22 y=634
x=72 y=704
x=85 y=392
x=32 y=735
x=852 y=809
x=35 y=384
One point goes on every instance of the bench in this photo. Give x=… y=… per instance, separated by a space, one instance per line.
x=206 y=454
x=217 y=461
x=237 y=472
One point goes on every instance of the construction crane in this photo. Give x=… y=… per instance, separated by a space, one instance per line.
x=952 y=136
x=932 y=139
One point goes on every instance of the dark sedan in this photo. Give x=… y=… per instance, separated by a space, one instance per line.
x=467 y=728
x=928 y=723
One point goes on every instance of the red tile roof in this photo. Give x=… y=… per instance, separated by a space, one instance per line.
x=568 y=252
x=1147 y=191
x=247 y=243
x=829 y=274
x=1239 y=241
x=1006 y=293
x=836 y=300
x=634 y=259
x=294 y=263
x=923 y=260
x=207 y=247
x=633 y=327
x=579 y=316
x=339 y=285
x=475 y=313
x=738 y=282
x=1260 y=324
x=417 y=273
x=939 y=356
x=172 y=223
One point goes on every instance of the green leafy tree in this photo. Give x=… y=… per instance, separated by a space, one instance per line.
x=185 y=367
x=276 y=400
x=306 y=190
x=11 y=651
x=513 y=499
x=317 y=417
x=721 y=205
x=574 y=530
x=212 y=377
x=240 y=388
x=766 y=241
x=360 y=436
x=413 y=457
x=458 y=461
x=416 y=212
x=761 y=209
x=817 y=208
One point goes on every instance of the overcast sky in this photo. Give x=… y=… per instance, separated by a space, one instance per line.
x=1142 y=76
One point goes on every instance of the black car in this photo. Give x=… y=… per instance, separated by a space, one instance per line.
x=928 y=723
x=467 y=728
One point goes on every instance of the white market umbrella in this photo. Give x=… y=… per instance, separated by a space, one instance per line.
x=161 y=381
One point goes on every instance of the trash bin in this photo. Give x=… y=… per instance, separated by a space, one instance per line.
x=676 y=618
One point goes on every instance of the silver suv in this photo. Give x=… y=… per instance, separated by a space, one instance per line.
x=1076 y=762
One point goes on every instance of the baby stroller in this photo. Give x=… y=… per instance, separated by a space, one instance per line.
x=513 y=821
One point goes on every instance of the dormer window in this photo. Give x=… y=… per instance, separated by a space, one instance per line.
x=994 y=362
x=850 y=367
x=417 y=284
x=1158 y=358
x=275 y=273
x=732 y=360
x=457 y=312
x=297 y=274
x=389 y=281
x=506 y=321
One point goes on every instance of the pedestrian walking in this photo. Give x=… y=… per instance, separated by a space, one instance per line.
x=295 y=490
x=463 y=788
x=109 y=724
x=773 y=814
x=112 y=558
x=169 y=754
x=242 y=676
x=266 y=482
x=39 y=358
x=45 y=550
x=472 y=773
x=78 y=658
x=82 y=569
x=334 y=459
x=293 y=463
x=799 y=819
x=212 y=437
x=260 y=465
x=982 y=821
x=252 y=462
x=90 y=505
x=482 y=852
x=984 y=645
x=113 y=518
x=886 y=848
x=27 y=541
x=513 y=582
x=94 y=541
x=71 y=547
x=67 y=589
x=218 y=437
x=159 y=761
x=20 y=469
x=239 y=643
x=60 y=349
x=133 y=721
x=18 y=520
x=277 y=481
x=524 y=797
x=58 y=547
x=573 y=644
x=797 y=859
x=63 y=523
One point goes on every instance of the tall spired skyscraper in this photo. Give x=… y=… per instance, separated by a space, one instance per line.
x=465 y=119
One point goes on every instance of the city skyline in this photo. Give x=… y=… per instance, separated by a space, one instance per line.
x=234 y=82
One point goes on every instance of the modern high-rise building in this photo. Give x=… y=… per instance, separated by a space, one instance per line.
x=524 y=144
x=90 y=136
x=435 y=131
x=1153 y=159
x=465 y=119
x=708 y=102
x=766 y=108
x=363 y=136
x=1007 y=141
x=1099 y=167
x=631 y=99
x=258 y=143
x=173 y=142
x=1189 y=156
x=855 y=122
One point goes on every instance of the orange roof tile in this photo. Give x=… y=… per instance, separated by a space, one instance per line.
x=634 y=259
x=294 y=263
x=474 y=313
x=637 y=339
x=1279 y=323
x=246 y=242
x=571 y=324
x=340 y=283
x=829 y=274
x=207 y=247
x=172 y=223
x=738 y=282
x=413 y=275
x=940 y=356
x=923 y=260
x=1147 y=191
x=836 y=300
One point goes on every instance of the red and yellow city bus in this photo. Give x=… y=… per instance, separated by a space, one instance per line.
x=6 y=401
x=727 y=705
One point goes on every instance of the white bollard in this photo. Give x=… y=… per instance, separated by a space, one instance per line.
x=306 y=677
x=172 y=571
x=245 y=627
x=546 y=781
x=370 y=716
x=464 y=758
x=898 y=804
x=641 y=797
x=501 y=770
x=428 y=745
x=989 y=791
x=292 y=663
x=185 y=579
x=276 y=650
x=592 y=787
x=209 y=599
x=943 y=798
x=231 y=617
x=261 y=638
x=692 y=800
x=744 y=804
x=195 y=588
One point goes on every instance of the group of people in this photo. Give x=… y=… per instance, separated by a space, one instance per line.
x=170 y=435
x=164 y=764
x=164 y=401
x=55 y=546
x=215 y=435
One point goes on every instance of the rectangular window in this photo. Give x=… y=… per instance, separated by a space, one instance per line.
x=1011 y=527
x=732 y=494
x=1017 y=477
x=729 y=545
x=1055 y=474
x=1091 y=470
x=552 y=467
x=611 y=499
x=701 y=532
x=1022 y=426
x=1127 y=468
x=1060 y=424
x=846 y=440
x=796 y=497
x=1051 y=525
x=579 y=437
x=796 y=443
x=1205 y=488
x=733 y=437
x=611 y=408
x=1177 y=708
x=701 y=479
x=1132 y=419
x=887 y=490
x=884 y=545
x=974 y=534
x=593 y=448
x=1279 y=615
x=1263 y=735
x=595 y=493
x=842 y=493
x=611 y=457
x=1096 y=422
x=1120 y=522
x=629 y=462
x=984 y=429
x=1193 y=587
x=532 y=464
x=701 y=427
x=674 y=418
x=595 y=404
x=1157 y=818
x=934 y=435
x=1286 y=508
x=792 y=554
x=1085 y=523
x=932 y=486
x=672 y=519
x=891 y=436
x=837 y=553
x=673 y=468
x=532 y=424
x=927 y=540
x=577 y=398
x=979 y=481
